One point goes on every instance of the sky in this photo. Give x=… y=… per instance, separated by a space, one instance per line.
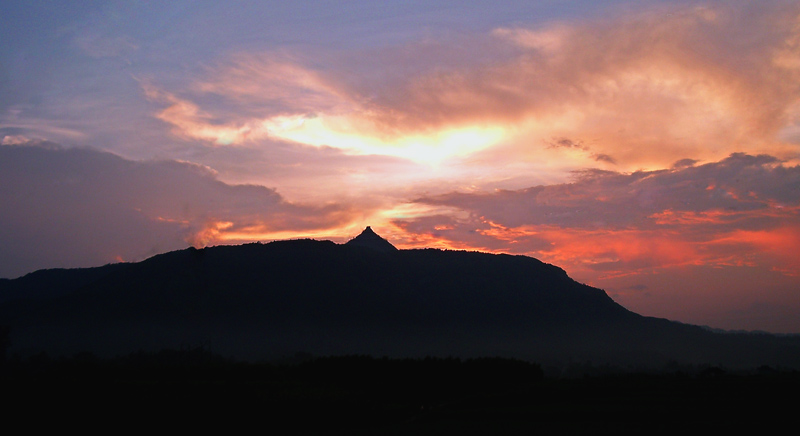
x=649 y=148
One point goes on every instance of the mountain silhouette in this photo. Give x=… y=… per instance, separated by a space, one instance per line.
x=368 y=238
x=267 y=301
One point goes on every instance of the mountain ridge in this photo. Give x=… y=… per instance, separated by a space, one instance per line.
x=262 y=301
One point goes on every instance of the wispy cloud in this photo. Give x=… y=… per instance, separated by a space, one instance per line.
x=641 y=91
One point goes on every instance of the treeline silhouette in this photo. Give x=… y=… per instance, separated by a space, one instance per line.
x=193 y=388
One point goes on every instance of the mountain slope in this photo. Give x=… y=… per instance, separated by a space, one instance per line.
x=262 y=301
x=368 y=238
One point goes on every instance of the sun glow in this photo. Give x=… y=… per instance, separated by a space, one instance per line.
x=353 y=132
x=426 y=148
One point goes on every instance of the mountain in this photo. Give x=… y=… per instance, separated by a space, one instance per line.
x=268 y=301
x=368 y=238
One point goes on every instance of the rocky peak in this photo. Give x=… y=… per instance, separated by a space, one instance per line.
x=368 y=238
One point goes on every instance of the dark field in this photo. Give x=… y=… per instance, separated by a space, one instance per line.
x=196 y=390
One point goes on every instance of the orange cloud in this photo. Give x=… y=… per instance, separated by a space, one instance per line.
x=604 y=254
x=782 y=244
x=741 y=211
x=720 y=216
x=209 y=234
x=638 y=91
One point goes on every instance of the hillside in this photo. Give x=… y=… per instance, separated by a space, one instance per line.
x=268 y=301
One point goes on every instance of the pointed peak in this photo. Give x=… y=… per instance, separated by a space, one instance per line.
x=368 y=238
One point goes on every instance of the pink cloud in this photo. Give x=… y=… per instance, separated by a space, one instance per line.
x=729 y=212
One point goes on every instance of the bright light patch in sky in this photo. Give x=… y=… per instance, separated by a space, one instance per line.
x=429 y=149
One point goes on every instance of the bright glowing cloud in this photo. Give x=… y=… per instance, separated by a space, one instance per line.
x=431 y=148
x=351 y=133
x=641 y=91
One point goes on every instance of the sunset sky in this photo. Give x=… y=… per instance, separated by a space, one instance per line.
x=649 y=148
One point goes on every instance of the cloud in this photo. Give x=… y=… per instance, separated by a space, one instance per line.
x=15 y=140
x=83 y=207
x=684 y=163
x=645 y=89
x=349 y=131
x=708 y=240
x=569 y=144
x=274 y=84
x=741 y=210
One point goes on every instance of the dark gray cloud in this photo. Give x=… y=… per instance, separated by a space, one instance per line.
x=684 y=163
x=83 y=207
x=567 y=143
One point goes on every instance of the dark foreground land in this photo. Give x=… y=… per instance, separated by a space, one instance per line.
x=192 y=390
